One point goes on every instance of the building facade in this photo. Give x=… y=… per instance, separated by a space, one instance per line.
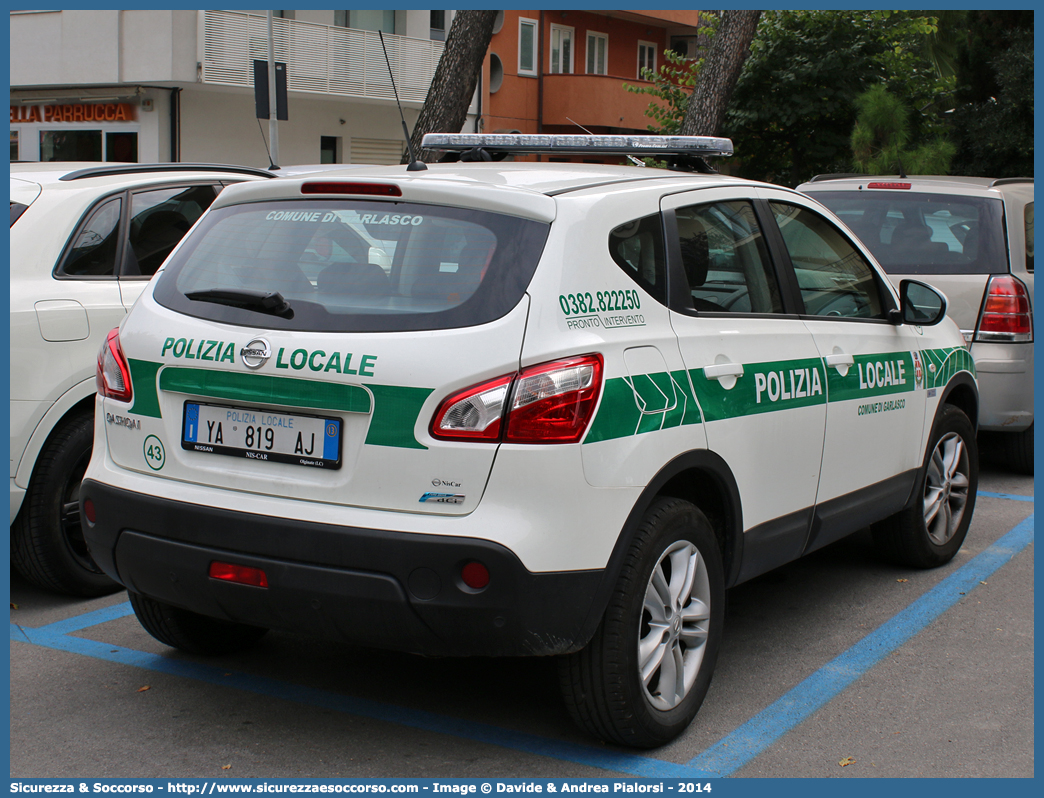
x=556 y=71
x=155 y=86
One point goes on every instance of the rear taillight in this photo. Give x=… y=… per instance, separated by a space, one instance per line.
x=474 y=414
x=548 y=403
x=553 y=402
x=113 y=376
x=1006 y=313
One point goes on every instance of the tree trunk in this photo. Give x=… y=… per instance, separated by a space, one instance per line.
x=721 y=70
x=446 y=106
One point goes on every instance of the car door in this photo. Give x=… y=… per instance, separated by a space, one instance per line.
x=753 y=365
x=875 y=412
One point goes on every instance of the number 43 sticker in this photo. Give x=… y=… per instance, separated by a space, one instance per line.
x=154 y=454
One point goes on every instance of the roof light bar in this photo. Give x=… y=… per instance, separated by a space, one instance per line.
x=615 y=145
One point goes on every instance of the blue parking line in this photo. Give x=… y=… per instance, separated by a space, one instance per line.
x=591 y=756
x=1014 y=496
x=722 y=759
x=759 y=733
x=88 y=619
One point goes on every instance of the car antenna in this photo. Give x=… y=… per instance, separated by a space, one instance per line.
x=416 y=165
x=630 y=158
x=271 y=164
x=902 y=174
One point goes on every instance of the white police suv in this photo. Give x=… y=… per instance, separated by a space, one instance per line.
x=499 y=408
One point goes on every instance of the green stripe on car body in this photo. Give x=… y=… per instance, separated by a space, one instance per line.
x=947 y=363
x=265 y=389
x=763 y=388
x=872 y=375
x=643 y=403
x=143 y=383
x=395 y=409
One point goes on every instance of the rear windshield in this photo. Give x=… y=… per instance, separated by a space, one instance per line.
x=348 y=265
x=925 y=233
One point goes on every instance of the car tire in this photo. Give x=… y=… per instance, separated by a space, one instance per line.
x=932 y=530
x=603 y=684
x=191 y=632
x=47 y=543
x=1015 y=450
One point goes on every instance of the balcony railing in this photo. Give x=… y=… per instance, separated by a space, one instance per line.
x=321 y=59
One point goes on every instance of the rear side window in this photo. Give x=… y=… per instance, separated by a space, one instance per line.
x=725 y=260
x=17 y=209
x=637 y=248
x=93 y=251
x=925 y=233
x=159 y=220
x=354 y=266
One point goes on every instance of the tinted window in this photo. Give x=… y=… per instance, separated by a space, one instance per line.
x=637 y=248
x=834 y=278
x=17 y=209
x=94 y=247
x=356 y=266
x=725 y=259
x=159 y=220
x=924 y=233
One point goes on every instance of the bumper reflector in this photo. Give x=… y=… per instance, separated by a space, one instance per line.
x=240 y=574
x=475 y=575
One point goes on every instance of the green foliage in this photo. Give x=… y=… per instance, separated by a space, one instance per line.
x=672 y=85
x=994 y=133
x=794 y=109
x=881 y=137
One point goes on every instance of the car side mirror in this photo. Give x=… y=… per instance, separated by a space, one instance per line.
x=921 y=304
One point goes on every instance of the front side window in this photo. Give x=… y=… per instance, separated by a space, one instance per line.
x=353 y=265
x=834 y=278
x=725 y=259
x=597 y=48
x=527 y=39
x=93 y=251
x=561 y=50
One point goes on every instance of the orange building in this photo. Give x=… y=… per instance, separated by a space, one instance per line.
x=549 y=71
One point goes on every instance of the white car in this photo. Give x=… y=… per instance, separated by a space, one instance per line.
x=584 y=401
x=85 y=239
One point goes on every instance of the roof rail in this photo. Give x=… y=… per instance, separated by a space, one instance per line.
x=138 y=168
x=837 y=176
x=1007 y=181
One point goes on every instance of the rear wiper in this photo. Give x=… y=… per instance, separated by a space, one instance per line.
x=270 y=302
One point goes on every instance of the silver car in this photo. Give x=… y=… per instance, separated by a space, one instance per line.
x=972 y=238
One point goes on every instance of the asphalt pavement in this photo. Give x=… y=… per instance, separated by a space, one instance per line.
x=837 y=665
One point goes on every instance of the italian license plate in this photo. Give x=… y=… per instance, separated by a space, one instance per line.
x=265 y=435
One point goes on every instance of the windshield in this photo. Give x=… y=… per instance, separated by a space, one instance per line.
x=349 y=265
x=912 y=233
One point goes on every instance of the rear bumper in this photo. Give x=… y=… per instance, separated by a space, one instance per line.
x=1005 y=376
x=387 y=589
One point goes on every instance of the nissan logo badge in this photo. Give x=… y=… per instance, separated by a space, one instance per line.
x=256 y=353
